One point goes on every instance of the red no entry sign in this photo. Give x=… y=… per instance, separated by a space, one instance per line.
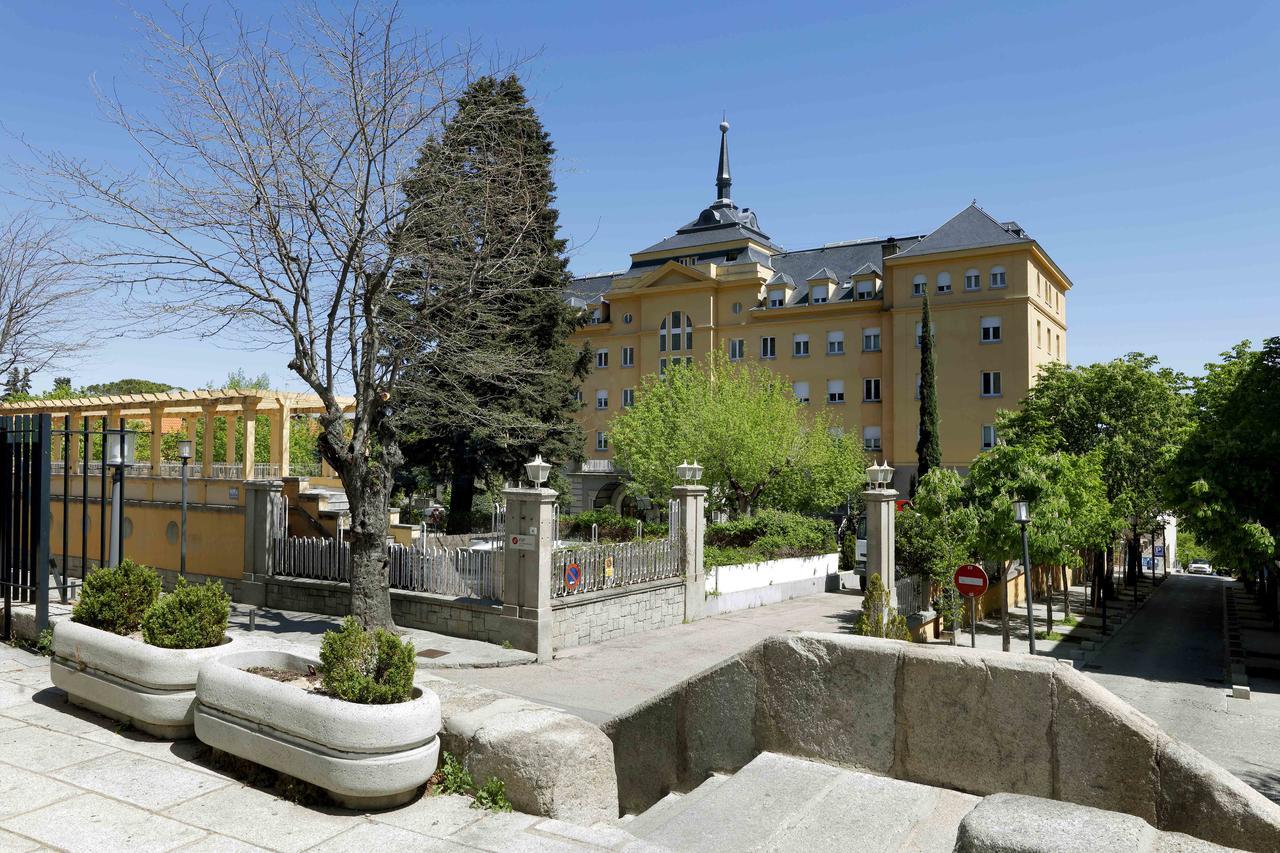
x=971 y=580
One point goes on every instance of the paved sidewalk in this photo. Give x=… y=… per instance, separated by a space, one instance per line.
x=72 y=780
x=599 y=682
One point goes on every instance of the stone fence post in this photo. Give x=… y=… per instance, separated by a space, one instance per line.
x=881 y=556
x=526 y=578
x=263 y=520
x=691 y=504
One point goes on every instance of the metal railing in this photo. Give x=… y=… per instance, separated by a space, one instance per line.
x=168 y=470
x=597 y=466
x=913 y=594
x=459 y=572
x=613 y=565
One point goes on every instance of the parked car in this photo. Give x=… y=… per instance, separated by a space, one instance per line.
x=1200 y=567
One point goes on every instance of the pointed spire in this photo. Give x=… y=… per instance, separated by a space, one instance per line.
x=722 y=174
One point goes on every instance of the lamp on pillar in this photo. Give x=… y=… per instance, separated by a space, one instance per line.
x=119 y=450
x=689 y=474
x=537 y=471
x=184 y=453
x=1022 y=515
x=881 y=510
x=879 y=476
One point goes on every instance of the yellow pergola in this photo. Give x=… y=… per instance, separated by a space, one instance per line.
x=227 y=403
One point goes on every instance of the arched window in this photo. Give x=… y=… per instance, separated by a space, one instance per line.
x=675 y=333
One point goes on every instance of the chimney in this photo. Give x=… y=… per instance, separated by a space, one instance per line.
x=888 y=247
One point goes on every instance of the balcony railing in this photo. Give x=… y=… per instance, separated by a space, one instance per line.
x=597 y=466
x=220 y=470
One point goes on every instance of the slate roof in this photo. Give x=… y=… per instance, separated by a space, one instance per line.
x=822 y=275
x=590 y=288
x=971 y=228
x=781 y=278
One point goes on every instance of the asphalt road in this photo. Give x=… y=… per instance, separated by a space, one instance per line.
x=1168 y=662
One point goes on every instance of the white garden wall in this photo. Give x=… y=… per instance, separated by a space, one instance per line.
x=756 y=584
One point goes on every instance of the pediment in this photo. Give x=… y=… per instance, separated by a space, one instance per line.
x=672 y=273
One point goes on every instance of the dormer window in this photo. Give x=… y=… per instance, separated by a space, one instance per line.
x=689 y=261
x=865 y=290
x=596 y=315
x=819 y=294
x=777 y=298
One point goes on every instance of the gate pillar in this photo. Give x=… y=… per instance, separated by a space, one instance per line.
x=526 y=575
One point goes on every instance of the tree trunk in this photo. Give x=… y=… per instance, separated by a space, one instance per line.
x=368 y=487
x=1048 y=601
x=1066 y=593
x=462 y=489
x=1004 y=605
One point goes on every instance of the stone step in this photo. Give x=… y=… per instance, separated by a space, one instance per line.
x=781 y=803
x=669 y=807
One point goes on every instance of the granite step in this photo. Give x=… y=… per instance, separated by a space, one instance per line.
x=669 y=807
x=781 y=803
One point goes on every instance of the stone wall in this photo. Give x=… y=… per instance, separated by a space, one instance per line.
x=476 y=620
x=594 y=617
x=979 y=722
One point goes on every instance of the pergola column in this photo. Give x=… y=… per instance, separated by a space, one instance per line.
x=230 y=418
x=250 y=436
x=281 y=425
x=191 y=422
x=74 y=425
x=206 y=455
x=157 y=441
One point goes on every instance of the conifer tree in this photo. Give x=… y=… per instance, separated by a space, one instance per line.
x=928 y=446
x=485 y=236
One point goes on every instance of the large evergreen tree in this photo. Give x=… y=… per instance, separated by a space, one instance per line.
x=928 y=446
x=492 y=248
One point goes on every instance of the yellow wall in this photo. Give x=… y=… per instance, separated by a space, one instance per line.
x=706 y=293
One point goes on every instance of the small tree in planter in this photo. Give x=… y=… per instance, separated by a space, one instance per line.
x=872 y=621
x=150 y=684
x=370 y=667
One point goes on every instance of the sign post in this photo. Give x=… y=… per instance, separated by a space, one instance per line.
x=971 y=582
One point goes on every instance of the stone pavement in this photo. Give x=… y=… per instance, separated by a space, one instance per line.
x=72 y=780
x=601 y=681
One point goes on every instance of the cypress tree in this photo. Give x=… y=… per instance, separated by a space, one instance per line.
x=928 y=447
x=484 y=236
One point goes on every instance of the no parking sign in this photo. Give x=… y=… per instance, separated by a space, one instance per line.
x=572 y=575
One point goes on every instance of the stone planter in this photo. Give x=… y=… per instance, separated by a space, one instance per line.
x=365 y=756
x=151 y=688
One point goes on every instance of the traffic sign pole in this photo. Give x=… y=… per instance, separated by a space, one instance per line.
x=971 y=582
x=973 y=622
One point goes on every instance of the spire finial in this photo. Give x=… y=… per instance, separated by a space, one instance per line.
x=723 y=181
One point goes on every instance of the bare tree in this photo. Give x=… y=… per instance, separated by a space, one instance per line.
x=41 y=296
x=270 y=207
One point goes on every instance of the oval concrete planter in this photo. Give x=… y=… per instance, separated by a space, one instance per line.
x=365 y=756
x=151 y=688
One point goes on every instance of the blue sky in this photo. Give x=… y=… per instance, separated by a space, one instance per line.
x=1137 y=142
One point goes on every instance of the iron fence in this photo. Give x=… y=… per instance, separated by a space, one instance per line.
x=613 y=565
x=913 y=594
x=459 y=572
x=25 y=449
x=171 y=470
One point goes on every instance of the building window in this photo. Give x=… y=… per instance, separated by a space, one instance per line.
x=991 y=383
x=602 y=399
x=602 y=359
x=676 y=336
x=777 y=298
x=866 y=290
x=768 y=347
x=602 y=440
x=675 y=331
x=920 y=334
x=662 y=367
x=1059 y=347
x=990 y=330
x=919 y=382
x=997 y=277
x=871 y=340
x=1038 y=336
x=595 y=316
x=944 y=282
x=835 y=390
x=662 y=335
x=871 y=438
x=688 y=261
x=835 y=343
x=628 y=397
x=801 y=390
x=628 y=356
x=737 y=307
x=818 y=294
x=577 y=395
x=988 y=436
x=800 y=346
x=972 y=280
x=626 y=319
x=737 y=349
x=918 y=284
x=871 y=390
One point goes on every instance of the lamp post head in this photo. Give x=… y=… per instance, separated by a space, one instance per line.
x=538 y=471
x=879 y=475
x=1022 y=511
x=689 y=474
x=184 y=450
x=120 y=448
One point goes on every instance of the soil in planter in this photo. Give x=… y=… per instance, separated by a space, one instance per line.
x=309 y=680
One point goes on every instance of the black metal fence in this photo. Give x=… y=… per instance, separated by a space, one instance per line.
x=29 y=445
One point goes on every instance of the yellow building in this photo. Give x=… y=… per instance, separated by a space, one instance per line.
x=841 y=321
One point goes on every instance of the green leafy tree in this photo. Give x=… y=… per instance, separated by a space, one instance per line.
x=127 y=386
x=928 y=446
x=743 y=424
x=937 y=535
x=875 y=620
x=497 y=248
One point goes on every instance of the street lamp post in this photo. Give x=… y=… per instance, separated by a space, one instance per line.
x=119 y=451
x=1022 y=515
x=184 y=453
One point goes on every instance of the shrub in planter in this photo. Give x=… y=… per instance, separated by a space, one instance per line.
x=116 y=598
x=368 y=667
x=193 y=616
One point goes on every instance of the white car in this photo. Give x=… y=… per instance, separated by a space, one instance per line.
x=1200 y=567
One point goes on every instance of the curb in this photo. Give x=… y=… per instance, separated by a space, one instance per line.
x=1236 y=675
